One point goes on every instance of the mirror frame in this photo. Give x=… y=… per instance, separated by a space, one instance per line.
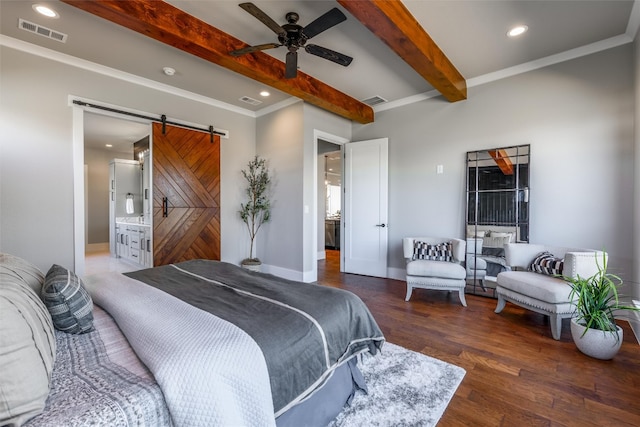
x=495 y=205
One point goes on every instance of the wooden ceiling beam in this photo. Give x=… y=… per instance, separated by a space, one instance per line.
x=172 y=26
x=393 y=24
x=503 y=160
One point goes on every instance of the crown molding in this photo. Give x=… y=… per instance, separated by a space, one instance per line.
x=277 y=106
x=634 y=21
x=73 y=61
x=522 y=68
x=634 y=24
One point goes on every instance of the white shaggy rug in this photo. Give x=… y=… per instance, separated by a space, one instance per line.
x=405 y=389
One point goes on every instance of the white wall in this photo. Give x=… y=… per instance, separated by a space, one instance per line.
x=36 y=170
x=286 y=138
x=279 y=139
x=636 y=179
x=577 y=116
x=330 y=125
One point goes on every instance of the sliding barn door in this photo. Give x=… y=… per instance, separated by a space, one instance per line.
x=186 y=195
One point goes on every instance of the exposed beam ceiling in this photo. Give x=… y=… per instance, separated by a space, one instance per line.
x=172 y=26
x=394 y=24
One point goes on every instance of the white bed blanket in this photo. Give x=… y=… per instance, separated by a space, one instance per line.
x=210 y=371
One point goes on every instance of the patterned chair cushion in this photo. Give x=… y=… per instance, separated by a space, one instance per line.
x=436 y=269
x=68 y=301
x=438 y=252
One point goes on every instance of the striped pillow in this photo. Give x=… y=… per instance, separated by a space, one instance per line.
x=546 y=263
x=437 y=252
x=68 y=301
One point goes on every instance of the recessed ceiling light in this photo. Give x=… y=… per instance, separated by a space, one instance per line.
x=169 y=71
x=518 y=30
x=108 y=145
x=264 y=93
x=45 y=10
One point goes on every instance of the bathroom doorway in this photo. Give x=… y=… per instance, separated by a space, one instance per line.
x=329 y=201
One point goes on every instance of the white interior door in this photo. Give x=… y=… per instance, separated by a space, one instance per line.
x=365 y=207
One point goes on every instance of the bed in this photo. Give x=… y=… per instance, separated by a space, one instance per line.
x=194 y=343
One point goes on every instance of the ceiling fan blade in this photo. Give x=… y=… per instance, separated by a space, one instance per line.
x=291 y=68
x=329 y=54
x=264 y=18
x=324 y=22
x=251 y=49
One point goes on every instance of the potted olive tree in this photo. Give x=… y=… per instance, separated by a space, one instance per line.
x=593 y=327
x=257 y=210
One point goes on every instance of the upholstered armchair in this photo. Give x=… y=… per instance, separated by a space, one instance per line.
x=435 y=263
x=533 y=285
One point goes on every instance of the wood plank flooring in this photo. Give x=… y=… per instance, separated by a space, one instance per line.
x=517 y=374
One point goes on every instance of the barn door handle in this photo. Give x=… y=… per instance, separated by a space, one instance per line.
x=165 y=207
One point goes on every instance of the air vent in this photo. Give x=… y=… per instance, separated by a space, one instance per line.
x=374 y=100
x=42 y=31
x=250 y=100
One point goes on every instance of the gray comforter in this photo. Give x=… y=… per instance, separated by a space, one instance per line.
x=305 y=331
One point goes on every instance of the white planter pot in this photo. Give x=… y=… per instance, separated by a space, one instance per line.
x=252 y=267
x=596 y=343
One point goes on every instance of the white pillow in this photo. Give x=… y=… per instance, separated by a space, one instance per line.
x=497 y=234
x=27 y=353
x=24 y=271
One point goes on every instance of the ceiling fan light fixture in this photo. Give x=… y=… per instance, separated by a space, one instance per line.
x=45 y=10
x=294 y=36
x=517 y=31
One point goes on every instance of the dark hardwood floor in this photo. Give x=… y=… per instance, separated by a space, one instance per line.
x=517 y=375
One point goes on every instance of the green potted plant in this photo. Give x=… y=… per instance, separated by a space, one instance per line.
x=593 y=327
x=257 y=210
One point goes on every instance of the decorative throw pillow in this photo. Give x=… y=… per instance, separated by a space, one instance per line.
x=68 y=301
x=437 y=252
x=500 y=234
x=546 y=263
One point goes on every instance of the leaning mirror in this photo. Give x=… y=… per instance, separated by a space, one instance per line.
x=497 y=211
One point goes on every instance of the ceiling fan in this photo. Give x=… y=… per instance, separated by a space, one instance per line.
x=294 y=36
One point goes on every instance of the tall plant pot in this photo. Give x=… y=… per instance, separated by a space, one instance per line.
x=596 y=343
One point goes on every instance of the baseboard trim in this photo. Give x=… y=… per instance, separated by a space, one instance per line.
x=396 y=273
x=289 y=274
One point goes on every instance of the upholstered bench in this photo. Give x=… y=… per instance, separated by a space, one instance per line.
x=544 y=293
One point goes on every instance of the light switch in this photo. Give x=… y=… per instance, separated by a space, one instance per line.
x=440 y=169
